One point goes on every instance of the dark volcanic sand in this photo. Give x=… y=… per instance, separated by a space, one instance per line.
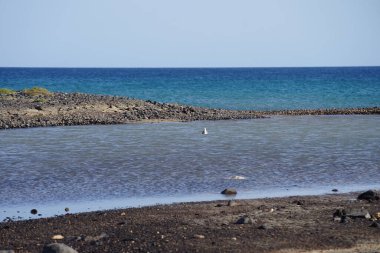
x=292 y=224
x=61 y=109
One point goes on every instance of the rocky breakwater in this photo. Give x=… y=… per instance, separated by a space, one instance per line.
x=20 y=110
x=330 y=111
x=36 y=109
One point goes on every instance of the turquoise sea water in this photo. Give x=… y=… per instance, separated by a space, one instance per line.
x=231 y=88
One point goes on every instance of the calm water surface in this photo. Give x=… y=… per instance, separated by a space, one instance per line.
x=92 y=167
x=230 y=88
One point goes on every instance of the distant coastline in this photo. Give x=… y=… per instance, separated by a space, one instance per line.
x=21 y=110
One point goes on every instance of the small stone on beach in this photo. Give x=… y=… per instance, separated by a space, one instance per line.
x=357 y=213
x=95 y=238
x=264 y=226
x=244 y=220
x=229 y=191
x=299 y=202
x=57 y=237
x=34 y=211
x=199 y=236
x=231 y=203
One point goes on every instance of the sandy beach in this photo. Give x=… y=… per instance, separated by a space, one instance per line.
x=327 y=223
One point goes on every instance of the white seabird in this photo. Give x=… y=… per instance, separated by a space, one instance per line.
x=237 y=177
x=204 y=131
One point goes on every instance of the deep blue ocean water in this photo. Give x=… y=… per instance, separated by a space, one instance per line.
x=230 y=88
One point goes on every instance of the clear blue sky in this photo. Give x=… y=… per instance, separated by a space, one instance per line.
x=192 y=33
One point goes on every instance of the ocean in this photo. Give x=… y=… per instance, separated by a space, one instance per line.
x=90 y=168
x=229 y=88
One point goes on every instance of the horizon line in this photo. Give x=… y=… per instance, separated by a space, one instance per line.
x=193 y=67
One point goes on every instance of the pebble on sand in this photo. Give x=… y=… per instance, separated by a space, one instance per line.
x=34 y=211
x=264 y=226
x=199 y=236
x=244 y=220
x=57 y=237
x=231 y=203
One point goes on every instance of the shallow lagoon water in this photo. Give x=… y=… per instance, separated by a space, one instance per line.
x=102 y=167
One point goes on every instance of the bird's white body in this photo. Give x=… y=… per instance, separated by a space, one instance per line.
x=237 y=177
x=204 y=131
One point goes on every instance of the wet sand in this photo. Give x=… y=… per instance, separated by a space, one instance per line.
x=290 y=224
x=20 y=110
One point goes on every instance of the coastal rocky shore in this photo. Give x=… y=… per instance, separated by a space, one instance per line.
x=329 y=223
x=20 y=110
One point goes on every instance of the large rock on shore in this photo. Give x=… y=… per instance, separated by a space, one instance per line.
x=368 y=195
x=58 y=248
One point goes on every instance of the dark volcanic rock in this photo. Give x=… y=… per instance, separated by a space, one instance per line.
x=368 y=195
x=60 y=109
x=244 y=220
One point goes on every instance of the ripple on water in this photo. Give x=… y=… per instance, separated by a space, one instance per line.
x=168 y=159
